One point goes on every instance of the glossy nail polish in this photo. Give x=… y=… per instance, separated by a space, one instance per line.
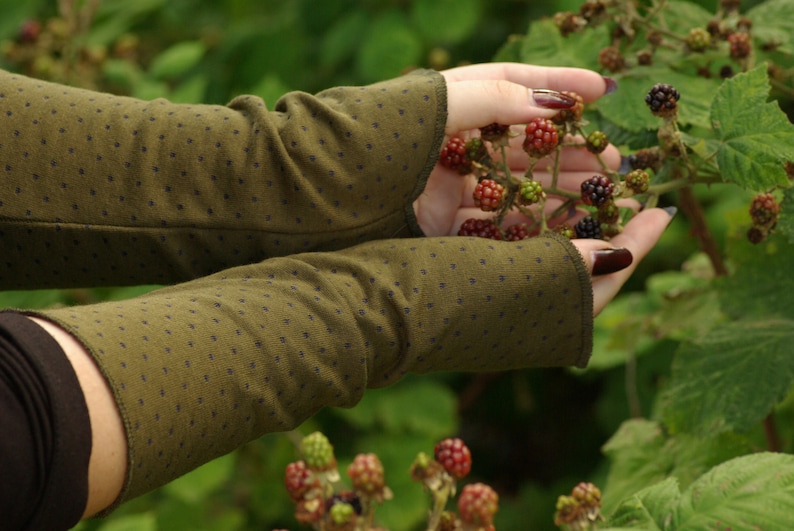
x=551 y=99
x=606 y=261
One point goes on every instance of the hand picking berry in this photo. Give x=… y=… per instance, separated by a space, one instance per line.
x=455 y=456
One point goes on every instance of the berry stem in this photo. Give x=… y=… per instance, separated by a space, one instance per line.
x=693 y=210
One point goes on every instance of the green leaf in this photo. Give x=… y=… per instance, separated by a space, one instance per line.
x=648 y=509
x=177 y=60
x=545 y=45
x=446 y=21
x=196 y=486
x=641 y=454
x=750 y=492
x=761 y=284
x=134 y=522
x=342 y=38
x=757 y=137
x=785 y=224
x=772 y=22
x=731 y=378
x=388 y=48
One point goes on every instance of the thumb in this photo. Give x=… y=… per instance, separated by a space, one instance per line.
x=476 y=103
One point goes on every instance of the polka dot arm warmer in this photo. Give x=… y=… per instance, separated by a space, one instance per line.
x=202 y=367
x=98 y=189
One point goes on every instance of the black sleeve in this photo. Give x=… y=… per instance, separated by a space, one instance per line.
x=45 y=431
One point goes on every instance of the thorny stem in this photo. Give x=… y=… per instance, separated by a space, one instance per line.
x=693 y=210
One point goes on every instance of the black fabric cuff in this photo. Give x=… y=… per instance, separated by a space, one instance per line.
x=45 y=431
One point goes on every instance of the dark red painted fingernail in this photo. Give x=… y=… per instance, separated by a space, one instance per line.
x=551 y=99
x=606 y=261
x=611 y=84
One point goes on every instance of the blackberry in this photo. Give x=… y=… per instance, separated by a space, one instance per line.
x=740 y=45
x=593 y=11
x=530 y=192
x=597 y=190
x=596 y=142
x=299 y=480
x=454 y=456
x=477 y=505
x=565 y=230
x=476 y=150
x=495 y=133
x=317 y=452
x=588 y=227
x=519 y=231
x=764 y=210
x=488 y=195
x=611 y=58
x=637 y=181
x=698 y=39
x=662 y=99
x=756 y=235
x=645 y=58
x=482 y=228
x=608 y=213
x=542 y=137
x=646 y=158
x=455 y=157
x=654 y=38
x=366 y=475
x=568 y=23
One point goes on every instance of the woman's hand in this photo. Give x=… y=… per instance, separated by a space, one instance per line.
x=479 y=95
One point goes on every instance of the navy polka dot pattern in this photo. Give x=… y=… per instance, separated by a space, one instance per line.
x=98 y=189
x=202 y=367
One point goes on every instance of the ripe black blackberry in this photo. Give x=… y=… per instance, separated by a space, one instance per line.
x=597 y=190
x=662 y=99
x=588 y=228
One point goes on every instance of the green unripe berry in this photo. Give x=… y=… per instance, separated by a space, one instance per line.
x=317 y=452
x=637 y=181
x=597 y=142
x=531 y=192
x=698 y=39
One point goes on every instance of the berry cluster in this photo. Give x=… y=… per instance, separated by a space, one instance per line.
x=581 y=509
x=764 y=213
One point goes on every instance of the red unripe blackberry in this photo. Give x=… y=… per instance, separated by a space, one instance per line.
x=477 y=504
x=597 y=190
x=530 y=192
x=495 y=133
x=698 y=39
x=637 y=181
x=519 y=231
x=29 y=32
x=488 y=195
x=454 y=456
x=455 y=156
x=482 y=228
x=572 y=115
x=740 y=45
x=764 y=210
x=299 y=480
x=611 y=58
x=366 y=474
x=596 y=142
x=662 y=99
x=588 y=227
x=542 y=137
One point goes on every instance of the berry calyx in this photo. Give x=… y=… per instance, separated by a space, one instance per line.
x=482 y=228
x=454 y=456
x=597 y=190
x=455 y=156
x=541 y=137
x=611 y=58
x=488 y=195
x=588 y=227
x=637 y=181
x=366 y=475
x=317 y=452
x=596 y=142
x=698 y=39
x=477 y=504
x=662 y=99
x=530 y=192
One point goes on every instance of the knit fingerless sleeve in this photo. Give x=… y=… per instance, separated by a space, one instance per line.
x=99 y=189
x=200 y=368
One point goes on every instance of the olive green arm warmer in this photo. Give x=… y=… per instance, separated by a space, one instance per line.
x=98 y=189
x=200 y=368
